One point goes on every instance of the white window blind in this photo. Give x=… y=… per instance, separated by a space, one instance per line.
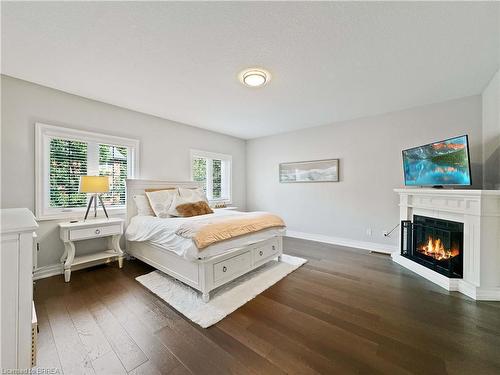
x=199 y=170
x=64 y=155
x=113 y=163
x=68 y=161
x=214 y=170
x=216 y=179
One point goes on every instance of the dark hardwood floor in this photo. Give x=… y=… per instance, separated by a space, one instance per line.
x=345 y=311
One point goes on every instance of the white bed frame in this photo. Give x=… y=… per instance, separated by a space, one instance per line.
x=202 y=274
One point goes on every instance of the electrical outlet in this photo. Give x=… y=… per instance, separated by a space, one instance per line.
x=369 y=231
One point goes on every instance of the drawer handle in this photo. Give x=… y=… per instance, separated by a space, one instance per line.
x=224 y=269
x=273 y=247
x=97 y=231
x=261 y=253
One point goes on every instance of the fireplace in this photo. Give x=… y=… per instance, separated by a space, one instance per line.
x=434 y=243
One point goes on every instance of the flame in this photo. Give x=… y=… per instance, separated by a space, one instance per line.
x=435 y=249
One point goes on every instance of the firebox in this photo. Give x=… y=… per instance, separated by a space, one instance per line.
x=435 y=243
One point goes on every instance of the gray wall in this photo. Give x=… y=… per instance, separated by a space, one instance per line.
x=164 y=152
x=491 y=134
x=369 y=150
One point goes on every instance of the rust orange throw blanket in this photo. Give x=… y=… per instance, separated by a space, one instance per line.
x=211 y=230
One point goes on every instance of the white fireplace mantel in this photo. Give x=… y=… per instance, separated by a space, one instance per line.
x=479 y=210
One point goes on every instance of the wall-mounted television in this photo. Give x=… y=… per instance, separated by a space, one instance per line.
x=439 y=163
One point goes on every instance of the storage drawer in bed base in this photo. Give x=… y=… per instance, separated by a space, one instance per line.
x=207 y=274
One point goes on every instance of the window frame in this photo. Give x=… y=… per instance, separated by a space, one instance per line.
x=43 y=134
x=226 y=183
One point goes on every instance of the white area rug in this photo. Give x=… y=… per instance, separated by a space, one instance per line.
x=224 y=300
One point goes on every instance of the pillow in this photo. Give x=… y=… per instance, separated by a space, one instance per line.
x=194 y=209
x=178 y=200
x=194 y=195
x=161 y=201
x=158 y=189
x=143 y=206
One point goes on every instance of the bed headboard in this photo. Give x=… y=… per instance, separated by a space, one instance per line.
x=135 y=187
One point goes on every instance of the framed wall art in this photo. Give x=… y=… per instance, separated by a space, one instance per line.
x=310 y=171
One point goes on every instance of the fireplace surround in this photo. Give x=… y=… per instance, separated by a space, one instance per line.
x=434 y=243
x=478 y=212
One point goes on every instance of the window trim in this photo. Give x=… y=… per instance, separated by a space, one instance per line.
x=214 y=155
x=43 y=134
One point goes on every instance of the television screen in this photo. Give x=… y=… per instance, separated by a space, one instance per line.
x=439 y=163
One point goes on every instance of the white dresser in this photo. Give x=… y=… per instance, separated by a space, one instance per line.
x=17 y=228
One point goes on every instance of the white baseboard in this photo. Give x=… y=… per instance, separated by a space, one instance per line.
x=436 y=278
x=452 y=285
x=372 y=246
x=487 y=294
x=57 y=269
x=47 y=271
x=478 y=293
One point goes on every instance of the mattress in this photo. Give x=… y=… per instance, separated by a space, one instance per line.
x=161 y=233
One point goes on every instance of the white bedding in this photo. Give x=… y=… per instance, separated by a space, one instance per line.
x=161 y=232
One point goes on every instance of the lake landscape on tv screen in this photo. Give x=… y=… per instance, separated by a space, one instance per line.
x=440 y=163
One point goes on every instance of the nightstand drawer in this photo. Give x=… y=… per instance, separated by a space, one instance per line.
x=101 y=231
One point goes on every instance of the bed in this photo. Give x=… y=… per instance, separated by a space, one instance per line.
x=153 y=241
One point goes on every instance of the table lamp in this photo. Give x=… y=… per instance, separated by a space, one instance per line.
x=94 y=185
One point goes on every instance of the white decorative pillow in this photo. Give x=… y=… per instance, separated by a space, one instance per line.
x=178 y=200
x=195 y=195
x=143 y=206
x=161 y=200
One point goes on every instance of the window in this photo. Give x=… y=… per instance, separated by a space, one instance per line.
x=113 y=163
x=214 y=170
x=63 y=155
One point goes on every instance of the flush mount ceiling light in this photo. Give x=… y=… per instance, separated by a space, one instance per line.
x=254 y=77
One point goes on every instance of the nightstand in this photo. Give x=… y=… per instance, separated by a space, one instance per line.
x=70 y=233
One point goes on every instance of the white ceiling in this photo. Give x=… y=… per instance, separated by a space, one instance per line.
x=329 y=61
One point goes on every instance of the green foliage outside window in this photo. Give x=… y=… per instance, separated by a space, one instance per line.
x=113 y=163
x=200 y=174
x=200 y=170
x=216 y=178
x=68 y=161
